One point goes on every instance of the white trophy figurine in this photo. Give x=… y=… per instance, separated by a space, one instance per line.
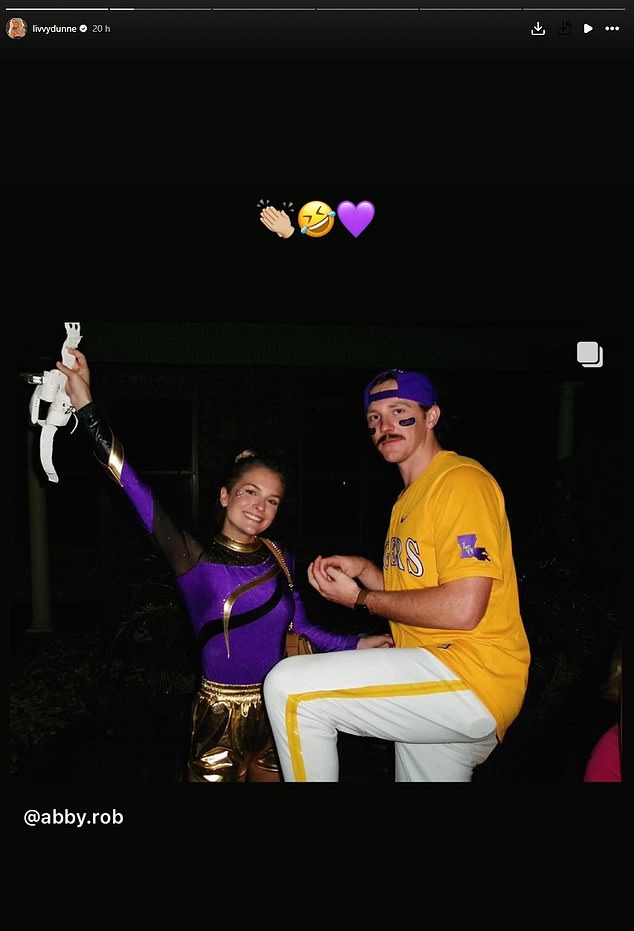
x=51 y=387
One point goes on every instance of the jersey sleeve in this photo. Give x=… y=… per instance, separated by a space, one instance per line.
x=470 y=525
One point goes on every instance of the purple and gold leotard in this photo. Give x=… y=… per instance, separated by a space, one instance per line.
x=214 y=581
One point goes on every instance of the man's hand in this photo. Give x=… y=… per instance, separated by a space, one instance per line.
x=333 y=585
x=353 y=566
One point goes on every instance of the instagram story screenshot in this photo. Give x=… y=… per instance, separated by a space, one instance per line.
x=281 y=369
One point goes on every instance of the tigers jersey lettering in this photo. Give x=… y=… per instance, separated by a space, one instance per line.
x=414 y=565
x=393 y=550
x=392 y=553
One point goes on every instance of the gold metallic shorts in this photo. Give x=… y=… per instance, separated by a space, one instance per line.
x=231 y=736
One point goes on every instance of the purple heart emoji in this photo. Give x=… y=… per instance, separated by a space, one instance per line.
x=355 y=219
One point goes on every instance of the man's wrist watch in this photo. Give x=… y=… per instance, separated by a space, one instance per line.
x=360 y=604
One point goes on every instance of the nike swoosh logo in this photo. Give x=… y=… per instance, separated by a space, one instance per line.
x=403 y=518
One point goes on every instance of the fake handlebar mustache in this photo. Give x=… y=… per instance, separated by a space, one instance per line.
x=389 y=436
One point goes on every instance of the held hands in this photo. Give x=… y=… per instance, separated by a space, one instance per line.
x=333 y=577
x=78 y=383
x=353 y=566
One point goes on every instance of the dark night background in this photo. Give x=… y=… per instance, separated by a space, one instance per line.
x=490 y=309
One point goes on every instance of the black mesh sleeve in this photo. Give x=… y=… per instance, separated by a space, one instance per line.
x=97 y=430
x=179 y=548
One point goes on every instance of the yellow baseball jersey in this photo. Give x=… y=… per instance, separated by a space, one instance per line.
x=451 y=524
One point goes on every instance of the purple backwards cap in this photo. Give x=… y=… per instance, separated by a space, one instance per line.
x=411 y=386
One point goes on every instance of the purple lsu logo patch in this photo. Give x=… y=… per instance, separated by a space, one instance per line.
x=468 y=549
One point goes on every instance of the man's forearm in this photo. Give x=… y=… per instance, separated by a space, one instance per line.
x=456 y=605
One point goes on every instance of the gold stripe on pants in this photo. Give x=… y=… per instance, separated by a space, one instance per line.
x=231 y=739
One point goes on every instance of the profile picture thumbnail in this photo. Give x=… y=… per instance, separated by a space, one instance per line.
x=16 y=28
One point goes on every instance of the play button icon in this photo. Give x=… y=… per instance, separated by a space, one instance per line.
x=587 y=28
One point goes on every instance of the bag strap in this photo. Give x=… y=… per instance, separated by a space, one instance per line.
x=274 y=548
x=231 y=599
x=280 y=558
